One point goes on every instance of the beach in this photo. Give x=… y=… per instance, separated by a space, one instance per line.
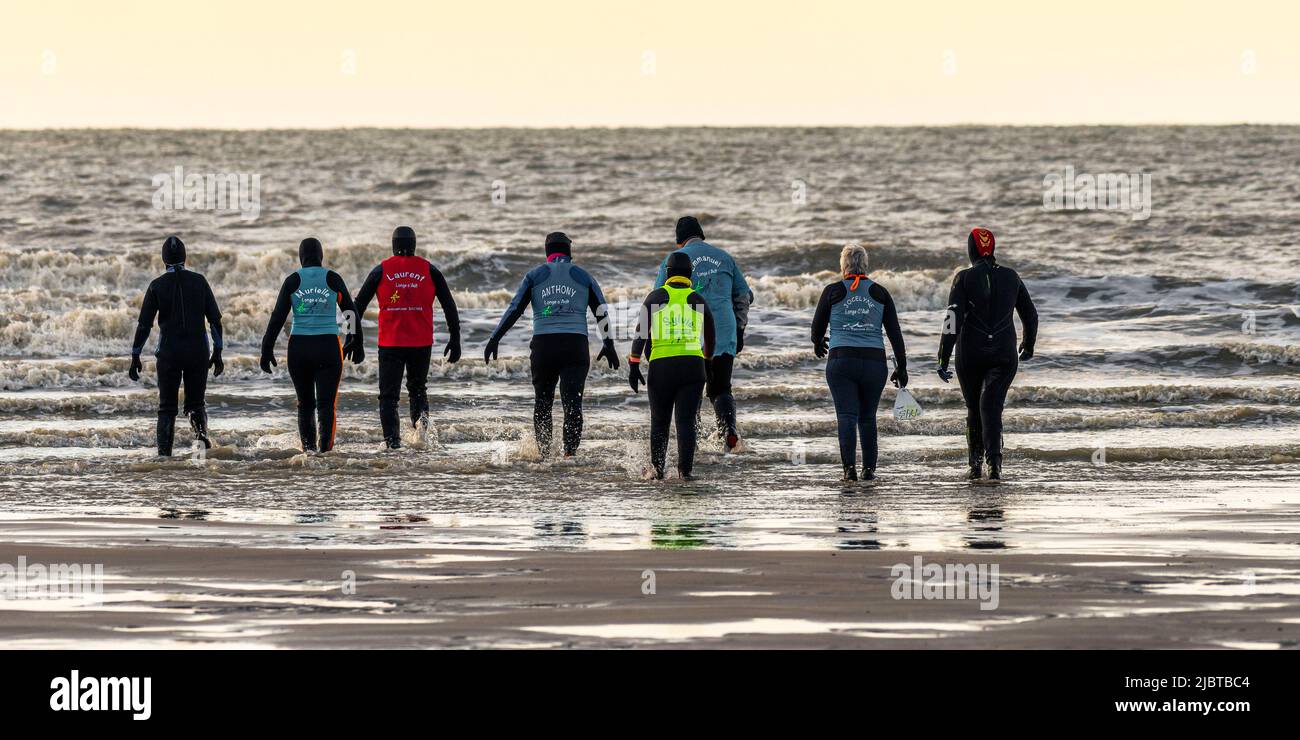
x=1152 y=444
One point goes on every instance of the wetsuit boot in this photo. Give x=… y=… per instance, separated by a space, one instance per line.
x=850 y=473
x=995 y=467
x=868 y=473
x=420 y=416
x=390 y=424
x=307 y=428
x=974 y=449
x=166 y=433
x=976 y=469
x=724 y=412
x=199 y=425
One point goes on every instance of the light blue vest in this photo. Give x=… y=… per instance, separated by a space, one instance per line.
x=856 y=320
x=560 y=295
x=315 y=304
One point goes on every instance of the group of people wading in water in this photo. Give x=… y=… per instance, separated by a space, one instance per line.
x=690 y=330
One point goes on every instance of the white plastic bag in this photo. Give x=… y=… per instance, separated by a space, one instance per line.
x=905 y=406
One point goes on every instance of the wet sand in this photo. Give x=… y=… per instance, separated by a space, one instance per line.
x=186 y=585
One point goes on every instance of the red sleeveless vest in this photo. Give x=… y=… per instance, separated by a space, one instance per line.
x=405 y=298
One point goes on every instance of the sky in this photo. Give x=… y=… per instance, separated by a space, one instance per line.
x=327 y=64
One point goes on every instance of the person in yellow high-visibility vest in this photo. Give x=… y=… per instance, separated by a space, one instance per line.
x=675 y=335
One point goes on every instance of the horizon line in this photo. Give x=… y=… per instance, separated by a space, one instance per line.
x=644 y=127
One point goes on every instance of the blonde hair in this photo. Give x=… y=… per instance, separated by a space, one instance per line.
x=853 y=260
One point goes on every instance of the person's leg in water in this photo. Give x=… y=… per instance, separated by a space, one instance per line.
x=573 y=383
x=169 y=386
x=302 y=371
x=724 y=403
x=329 y=373
x=545 y=374
x=845 y=394
x=686 y=403
x=997 y=381
x=661 y=393
x=417 y=381
x=970 y=376
x=392 y=364
x=195 y=374
x=870 y=385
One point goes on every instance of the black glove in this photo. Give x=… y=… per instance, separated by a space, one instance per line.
x=453 y=349
x=899 y=377
x=821 y=348
x=268 y=360
x=490 y=352
x=136 y=367
x=1026 y=353
x=944 y=373
x=609 y=353
x=634 y=377
x=218 y=367
x=356 y=349
x=740 y=340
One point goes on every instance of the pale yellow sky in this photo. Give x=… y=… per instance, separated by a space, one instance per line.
x=277 y=63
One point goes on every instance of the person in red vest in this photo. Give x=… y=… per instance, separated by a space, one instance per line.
x=406 y=286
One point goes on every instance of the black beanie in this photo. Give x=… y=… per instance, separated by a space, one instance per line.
x=310 y=252
x=679 y=265
x=404 y=241
x=557 y=242
x=688 y=227
x=173 y=251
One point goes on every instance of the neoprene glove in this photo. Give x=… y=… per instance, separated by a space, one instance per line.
x=268 y=360
x=899 y=377
x=944 y=373
x=357 y=351
x=1026 y=353
x=821 y=348
x=609 y=353
x=740 y=340
x=136 y=367
x=634 y=377
x=218 y=367
x=453 y=349
x=490 y=352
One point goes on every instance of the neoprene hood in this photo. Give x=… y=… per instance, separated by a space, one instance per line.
x=404 y=241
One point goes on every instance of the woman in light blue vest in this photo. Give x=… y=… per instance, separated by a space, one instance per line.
x=316 y=351
x=855 y=309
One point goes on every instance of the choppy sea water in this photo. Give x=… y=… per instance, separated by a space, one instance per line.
x=1164 y=387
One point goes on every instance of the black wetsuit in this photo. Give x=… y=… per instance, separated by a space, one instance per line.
x=411 y=361
x=675 y=385
x=181 y=301
x=315 y=363
x=559 y=352
x=980 y=304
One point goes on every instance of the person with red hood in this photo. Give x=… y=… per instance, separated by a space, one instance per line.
x=979 y=324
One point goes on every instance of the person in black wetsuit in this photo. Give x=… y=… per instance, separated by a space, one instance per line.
x=979 y=324
x=180 y=300
x=560 y=293
x=676 y=333
x=855 y=309
x=316 y=353
x=406 y=287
